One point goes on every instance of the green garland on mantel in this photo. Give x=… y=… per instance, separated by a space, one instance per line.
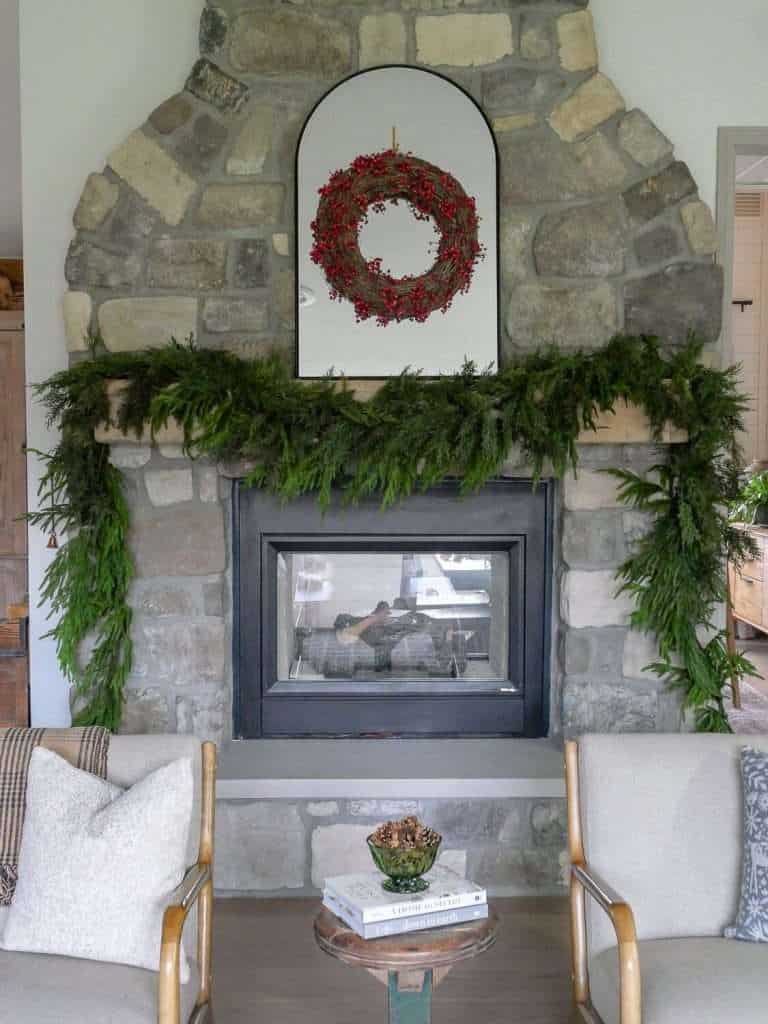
x=301 y=437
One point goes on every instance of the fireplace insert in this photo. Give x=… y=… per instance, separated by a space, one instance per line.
x=427 y=619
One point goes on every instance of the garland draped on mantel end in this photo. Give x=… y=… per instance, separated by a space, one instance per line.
x=315 y=437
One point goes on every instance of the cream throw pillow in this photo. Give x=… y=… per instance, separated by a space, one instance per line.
x=98 y=863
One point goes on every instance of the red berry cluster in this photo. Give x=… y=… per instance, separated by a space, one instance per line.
x=369 y=183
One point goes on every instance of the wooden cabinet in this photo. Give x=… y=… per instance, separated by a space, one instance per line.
x=747 y=585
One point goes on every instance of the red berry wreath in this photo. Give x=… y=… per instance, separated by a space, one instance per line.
x=369 y=183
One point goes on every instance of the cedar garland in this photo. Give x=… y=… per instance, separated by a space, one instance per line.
x=314 y=437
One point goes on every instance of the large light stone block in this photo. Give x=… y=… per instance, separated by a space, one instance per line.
x=589 y=241
x=290 y=42
x=463 y=40
x=129 y=456
x=155 y=175
x=540 y=168
x=589 y=106
x=77 y=308
x=382 y=39
x=700 y=228
x=144 y=711
x=189 y=541
x=169 y=486
x=229 y=314
x=591 y=599
x=576 y=39
x=181 y=653
x=98 y=199
x=590 y=489
x=584 y=317
x=191 y=263
x=640 y=651
x=260 y=846
x=204 y=717
x=640 y=137
x=253 y=143
x=128 y=325
x=240 y=206
x=339 y=850
x=609 y=706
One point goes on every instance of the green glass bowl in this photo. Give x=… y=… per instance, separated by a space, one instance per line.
x=404 y=867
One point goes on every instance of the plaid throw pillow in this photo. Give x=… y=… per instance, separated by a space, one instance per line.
x=752 y=920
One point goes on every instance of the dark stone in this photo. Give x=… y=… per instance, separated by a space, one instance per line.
x=171 y=115
x=660 y=245
x=100 y=267
x=132 y=221
x=589 y=241
x=653 y=196
x=251 y=263
x=512 y=89
x=290 y=42
x=594 y=651
x=203 y=144
x=541 y=168
x=682 y=298
x=212 y=85
x=213 y=31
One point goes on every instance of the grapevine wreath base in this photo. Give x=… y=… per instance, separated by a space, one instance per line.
x=370 y=182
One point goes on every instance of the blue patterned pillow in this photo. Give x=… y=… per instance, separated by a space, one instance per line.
x=752 y=919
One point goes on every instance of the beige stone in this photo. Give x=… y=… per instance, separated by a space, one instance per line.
x=382 y=39
x=601 y=161
x=155 y=175
x=97 y=201
x=700 y=228
x=240 y=206
x=280 y=243
x=514 y=122
x=77 y=308
x=253 y=143
x=576 y=38
x=515 y=236
x=640 y=137
x=129 y=325
x=463 y=40
x=286 y=42
x=169 y=486
x=591 y=104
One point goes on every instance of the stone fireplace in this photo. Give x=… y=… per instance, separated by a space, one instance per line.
x=189 y=230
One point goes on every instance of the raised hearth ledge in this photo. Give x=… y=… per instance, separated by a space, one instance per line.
x=376 y=769
x=628 y=424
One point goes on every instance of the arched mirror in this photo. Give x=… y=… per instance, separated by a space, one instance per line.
x=397 y=210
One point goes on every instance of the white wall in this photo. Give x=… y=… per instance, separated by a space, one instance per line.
x=10 y=140
x=692 y=65
x=90 y=74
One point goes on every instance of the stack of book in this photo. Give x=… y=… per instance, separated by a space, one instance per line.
x=361 y=903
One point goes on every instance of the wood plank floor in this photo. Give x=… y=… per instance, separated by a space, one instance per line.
x=268 y=969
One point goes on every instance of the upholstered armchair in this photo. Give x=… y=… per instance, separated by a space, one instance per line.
x=37 y=989
x=655 y=846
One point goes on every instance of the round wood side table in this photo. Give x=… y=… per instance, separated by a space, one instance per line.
x=409 y=965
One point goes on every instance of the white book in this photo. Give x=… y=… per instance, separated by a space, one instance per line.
x=366 y=898
x=401 y=925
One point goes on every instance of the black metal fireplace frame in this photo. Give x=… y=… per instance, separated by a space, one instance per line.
x=506 y=515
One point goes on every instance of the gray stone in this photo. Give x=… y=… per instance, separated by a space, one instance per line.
x=187 y=263
x=682 y=298
x=459 y=820
x=251 y=263
x=100 y=267
x=384 y=810
x=168 y=486
x=322 y=809
x=289 y=42
x=590 y=599
x=700 y=228
x=144 y=711
x=593 y=539
x=161 y=599
x=590 y=489
x=584 y=317
x=208 y=483
x=171 y=115
x=603 y=706
x=212 y=85
x=77 y=308
x=201 y=146
x=549 y=823
x=98 y=200
x=515 y=233
x=651 y=197
x=131 y=222
x=535 y=38
x=213 y=599
x=453 y=860
x=129 y=456
x=129 y=325
x=659 y=245
x=588 y=241
x=241 y=206
x=259 y=846
x=577 y=43
x=253 y=143
x=204 y=717
x=155 y=175
x=181 y=653
x=283 y=294
x=514 y=89
x=637 y=525
x=172 y=451
x=595 y=652
x=538 y=168
x=513 y=871
x=227 y=314
x=463 y=40
x=186 y=542
x=593 y=102
x=339 y=850
x=640 y=651
x=213 y=31
x=382 y=39
x=640 y=137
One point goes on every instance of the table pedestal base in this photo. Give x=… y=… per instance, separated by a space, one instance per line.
x=409 y=998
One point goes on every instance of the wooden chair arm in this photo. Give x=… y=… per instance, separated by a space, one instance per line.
x=197 y=882
x=623 y=921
